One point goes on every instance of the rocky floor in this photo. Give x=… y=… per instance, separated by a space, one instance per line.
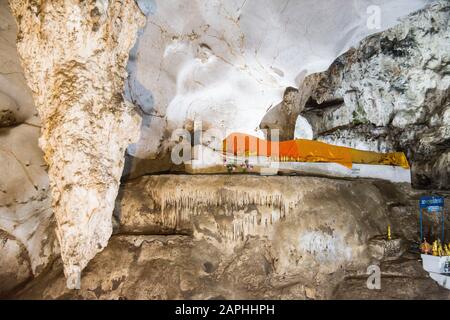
x=400 y=279
x=221 y=237
x=170 y=267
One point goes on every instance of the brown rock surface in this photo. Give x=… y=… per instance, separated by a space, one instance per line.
x=220 y=237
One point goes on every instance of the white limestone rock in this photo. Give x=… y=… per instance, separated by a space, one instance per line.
x=303 y=129
x=16 y=102
x=14 y=264
x=25 y=213
x=228 y=63
x=25 y=206
x=74 y=56
x=392 y=93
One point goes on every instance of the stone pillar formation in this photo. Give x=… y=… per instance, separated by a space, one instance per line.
x=74 y=54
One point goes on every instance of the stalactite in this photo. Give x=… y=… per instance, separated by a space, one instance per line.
x=180 y=204
x=74 y=55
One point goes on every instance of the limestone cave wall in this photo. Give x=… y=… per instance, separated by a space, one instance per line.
x=390 y=92
x=90 y=92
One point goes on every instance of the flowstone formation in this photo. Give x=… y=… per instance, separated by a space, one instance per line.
x=253 y=237
x=74 y=55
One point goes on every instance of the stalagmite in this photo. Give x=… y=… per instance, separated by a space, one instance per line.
x=74 y=55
